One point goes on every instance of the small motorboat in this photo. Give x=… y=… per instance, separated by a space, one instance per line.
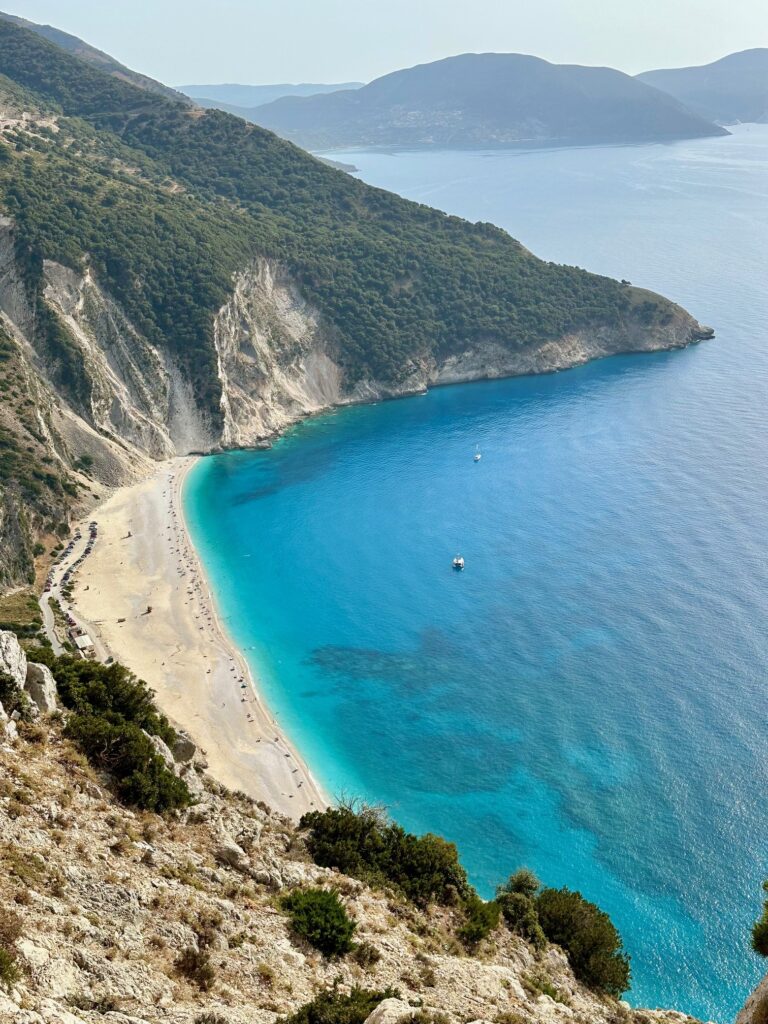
x=478 y=456
x=458 y=562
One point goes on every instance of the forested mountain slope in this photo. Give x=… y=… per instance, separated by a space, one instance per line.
x=91 y=55
x=173 y=279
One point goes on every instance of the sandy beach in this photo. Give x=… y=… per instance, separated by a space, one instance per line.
x=144 y=558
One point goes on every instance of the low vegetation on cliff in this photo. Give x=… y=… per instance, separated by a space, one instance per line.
x=113 y=719
x=219 y=911
x=362 y=842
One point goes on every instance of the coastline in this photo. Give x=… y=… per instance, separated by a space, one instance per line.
x=144 y=557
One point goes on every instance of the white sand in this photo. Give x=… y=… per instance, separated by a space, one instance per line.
x=201 y=680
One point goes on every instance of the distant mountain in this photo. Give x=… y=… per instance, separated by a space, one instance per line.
x=729 y=90
x=235 y=98
x=91 y=55
x=485 y=100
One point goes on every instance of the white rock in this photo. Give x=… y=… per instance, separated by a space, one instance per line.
x=390 y=1011
x=228 y=852
x=184 y=748
x=161 y=747
x=52 y=1013
x=35 y=956
x=41 y=687
x=8 y=1009
x=193 y=781
x=13 y=660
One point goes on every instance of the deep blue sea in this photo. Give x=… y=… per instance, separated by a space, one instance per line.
x=590 y=697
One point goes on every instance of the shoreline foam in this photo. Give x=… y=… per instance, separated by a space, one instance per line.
x=144 y=556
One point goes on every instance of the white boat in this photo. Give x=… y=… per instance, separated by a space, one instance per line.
x=458 y=562
x=478 y=456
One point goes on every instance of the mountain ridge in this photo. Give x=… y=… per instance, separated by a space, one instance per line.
x=729 y=90
x=97 y=58
x=247 y=97
x=486 y=100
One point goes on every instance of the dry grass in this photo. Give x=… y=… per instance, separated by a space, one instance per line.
x=19 y=611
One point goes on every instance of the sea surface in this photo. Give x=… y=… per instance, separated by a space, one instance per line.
x=590 y=696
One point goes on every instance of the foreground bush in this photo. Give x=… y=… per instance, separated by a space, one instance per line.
x=333 y=1008
x=90 y=688
x=760 y=929
x=523 y=882
x=517 y=901
x=13 y=699
x=10 y=931
x=588 y=936
x=480 y=920
x=318 y=916
x=112 y=713
x=9 y=971
x=521 y=918
x=365 y=844
x=122 y=749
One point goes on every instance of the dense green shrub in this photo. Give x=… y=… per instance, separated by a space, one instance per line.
x=480 y=918
x=122 y=749
x=365 y=844
x=760 y=929
x=331 y=1007
x=112 y=713
x=516 y=898
x=14 y=699
x=588 y=936
x=523 y=881
x=90 y=688
x=521 y=918
x=318 y=916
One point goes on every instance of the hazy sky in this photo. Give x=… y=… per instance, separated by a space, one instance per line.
x=263 y=41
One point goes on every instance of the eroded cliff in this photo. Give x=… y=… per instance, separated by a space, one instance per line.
x=277 y=362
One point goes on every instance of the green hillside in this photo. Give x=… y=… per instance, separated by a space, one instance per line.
x=168 y=202
x=165 y=203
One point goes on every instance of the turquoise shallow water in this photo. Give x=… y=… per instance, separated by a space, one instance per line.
x=590 y=696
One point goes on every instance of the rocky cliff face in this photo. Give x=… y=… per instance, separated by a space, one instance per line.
x=755 y=1010
x=98 y=901
x=276 y=364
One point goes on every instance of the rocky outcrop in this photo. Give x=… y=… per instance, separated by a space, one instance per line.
x=391 y=1011
x=41 y=687
x=13 y=660
x=162 y=748
x=184 y=748
x=755 y=1010
x=107 y=898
